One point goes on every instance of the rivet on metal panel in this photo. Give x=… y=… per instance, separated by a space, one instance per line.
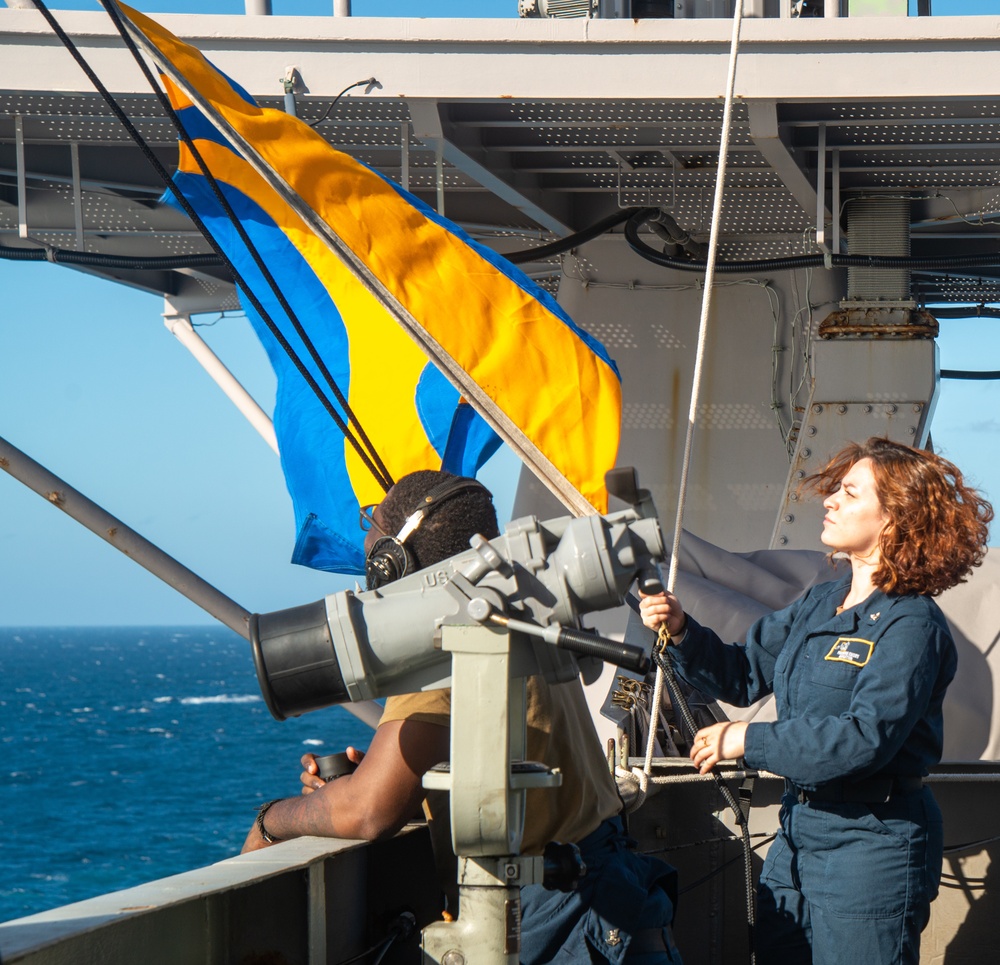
x=890 y=409
x=793 y=497
x=841 y=409
x=817 y=408
x=811 y=431
x=867 y=409
x=782 y=540
x=788 y=518
x=800 y=474
x=806 y=453
x=911 y=430
x=917 y=406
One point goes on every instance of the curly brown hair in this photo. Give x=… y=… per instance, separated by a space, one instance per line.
x=937 y=525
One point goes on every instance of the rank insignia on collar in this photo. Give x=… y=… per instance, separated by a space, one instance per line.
x=874 y=616
x=851 y=650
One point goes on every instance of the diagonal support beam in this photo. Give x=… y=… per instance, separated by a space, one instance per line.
x=428 y=127
x=763 y=117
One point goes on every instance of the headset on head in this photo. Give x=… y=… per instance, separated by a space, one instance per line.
x=389 y=558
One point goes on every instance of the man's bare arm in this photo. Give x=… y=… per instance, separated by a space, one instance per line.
x=375 y=801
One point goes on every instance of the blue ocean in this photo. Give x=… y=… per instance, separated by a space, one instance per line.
x=128 y=754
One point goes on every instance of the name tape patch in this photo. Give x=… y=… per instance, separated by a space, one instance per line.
x=852 y=650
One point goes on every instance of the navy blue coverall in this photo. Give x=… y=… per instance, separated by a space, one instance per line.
x=857 y=860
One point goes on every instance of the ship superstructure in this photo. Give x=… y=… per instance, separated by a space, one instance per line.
x=866 y=137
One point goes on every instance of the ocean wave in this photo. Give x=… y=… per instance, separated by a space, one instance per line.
x=223 y=699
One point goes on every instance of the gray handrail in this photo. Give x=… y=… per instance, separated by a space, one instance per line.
x=123 y=538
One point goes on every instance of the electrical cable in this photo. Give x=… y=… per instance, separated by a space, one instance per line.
x=718 y=839
x=965 y=311
x=640 y=247
x=65 y=256
x=574 y=240
x=401 y=928
x=70 y=257
x=722 y=867
x=969 y=376
x=969 y=845
x=368 y=83
x=193 y=215
x=381 y=948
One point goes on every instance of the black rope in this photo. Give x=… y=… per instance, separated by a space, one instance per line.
x=681 y=707
x=196 y=219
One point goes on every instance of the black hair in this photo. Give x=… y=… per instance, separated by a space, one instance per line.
x=447 y=529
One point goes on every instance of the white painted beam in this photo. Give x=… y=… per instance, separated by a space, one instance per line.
x=804 y=59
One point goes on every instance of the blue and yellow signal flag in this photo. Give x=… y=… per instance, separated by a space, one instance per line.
x=414 y=320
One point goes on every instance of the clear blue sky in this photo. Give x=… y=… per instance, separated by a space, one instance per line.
x=94 y=388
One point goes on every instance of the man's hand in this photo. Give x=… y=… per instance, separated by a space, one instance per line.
x=311 y=781
x=254 y=841
x=720 y=742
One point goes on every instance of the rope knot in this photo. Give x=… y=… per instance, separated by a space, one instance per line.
x=633 y=786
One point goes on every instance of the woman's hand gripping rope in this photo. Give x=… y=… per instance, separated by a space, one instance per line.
x=724 y=741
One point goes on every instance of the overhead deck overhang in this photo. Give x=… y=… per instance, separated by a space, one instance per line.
x=525 y=130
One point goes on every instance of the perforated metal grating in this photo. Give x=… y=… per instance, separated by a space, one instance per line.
x=577 y=160
x=647 y=415
x=738 y=415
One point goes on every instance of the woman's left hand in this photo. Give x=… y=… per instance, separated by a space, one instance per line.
x=720 y=742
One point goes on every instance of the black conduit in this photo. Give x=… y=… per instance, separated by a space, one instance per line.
x=63 y=256
x=965 y=311
x=69 y=257
x=640 y=247
x=572 y=241
x=970 y=376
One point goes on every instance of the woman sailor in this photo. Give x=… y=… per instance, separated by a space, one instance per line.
x=859 y=669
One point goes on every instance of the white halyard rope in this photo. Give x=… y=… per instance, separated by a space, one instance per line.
x=706 y=304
